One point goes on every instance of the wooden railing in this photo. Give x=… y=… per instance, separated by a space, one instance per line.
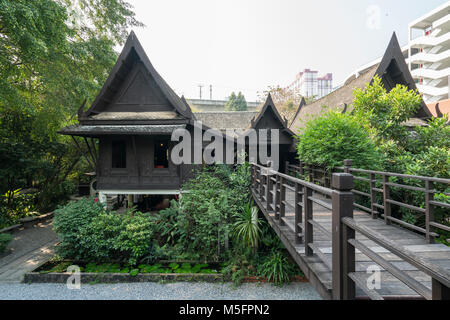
x=348 y=227
x=269 y=189
x=271 y=186
x=378 y=189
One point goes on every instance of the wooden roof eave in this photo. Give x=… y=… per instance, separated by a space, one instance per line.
x=134 y=122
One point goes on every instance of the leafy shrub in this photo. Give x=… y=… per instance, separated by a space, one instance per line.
x=277 y=268
x=69 y=221
x=204 y=220
x=103 y=236
x=333 y=137
x=5 y=239
x=135 y=238
x=97 y=239
x=166 y=224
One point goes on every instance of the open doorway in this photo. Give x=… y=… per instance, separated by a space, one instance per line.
x=161 y=159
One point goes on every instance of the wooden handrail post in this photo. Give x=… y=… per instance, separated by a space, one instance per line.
x=286 y=167
x=308 y=227
x=439 y=291
x=281 y=201
x=277 y=198
x=342 y=254
x=373 y=196
x=429 y=215
x=269 y=190
x=347 y=165
x=386 y=197
x=298 y=214
x=261 y=184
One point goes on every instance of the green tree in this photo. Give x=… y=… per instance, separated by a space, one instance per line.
x=236 y=102
x=54 y=54
x=333 y=137
x=386 y=111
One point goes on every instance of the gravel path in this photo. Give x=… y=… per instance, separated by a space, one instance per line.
x=158 y=291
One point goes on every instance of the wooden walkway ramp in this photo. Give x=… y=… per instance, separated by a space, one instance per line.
x=346 y=253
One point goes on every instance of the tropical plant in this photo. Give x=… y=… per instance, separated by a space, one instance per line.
x=277 y=268
x=204 y=220
x=246 y=227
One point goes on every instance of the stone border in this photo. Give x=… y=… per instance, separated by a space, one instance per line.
x=27 y=222
x=87 y=277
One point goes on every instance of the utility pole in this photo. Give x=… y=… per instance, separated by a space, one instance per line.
x=200 y=87
x=210 y=92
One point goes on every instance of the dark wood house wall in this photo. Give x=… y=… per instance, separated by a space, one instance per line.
x=140 y=171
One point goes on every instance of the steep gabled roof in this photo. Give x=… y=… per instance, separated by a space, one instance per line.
x=269 y=111
x=392 y=70
x=135 y=86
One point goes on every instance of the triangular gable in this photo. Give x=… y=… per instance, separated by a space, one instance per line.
x=268 y=110
x=270 y=118
x=393 y=70
x=135 y=86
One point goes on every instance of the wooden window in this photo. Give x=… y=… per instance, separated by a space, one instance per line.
x=161 y=153
x=119 y=154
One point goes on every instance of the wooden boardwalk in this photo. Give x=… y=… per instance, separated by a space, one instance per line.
x=318 y=263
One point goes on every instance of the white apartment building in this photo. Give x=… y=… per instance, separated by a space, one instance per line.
x=428 y=54
x=309 y=84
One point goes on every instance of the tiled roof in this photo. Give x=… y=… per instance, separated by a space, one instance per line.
x=163 y=115
x=439 y=108
x=226 y=119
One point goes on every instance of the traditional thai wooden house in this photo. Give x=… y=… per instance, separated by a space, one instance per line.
x=133 y=118
x=392 y=70
x=127 y=130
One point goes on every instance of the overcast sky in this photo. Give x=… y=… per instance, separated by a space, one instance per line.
x=248 y=45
